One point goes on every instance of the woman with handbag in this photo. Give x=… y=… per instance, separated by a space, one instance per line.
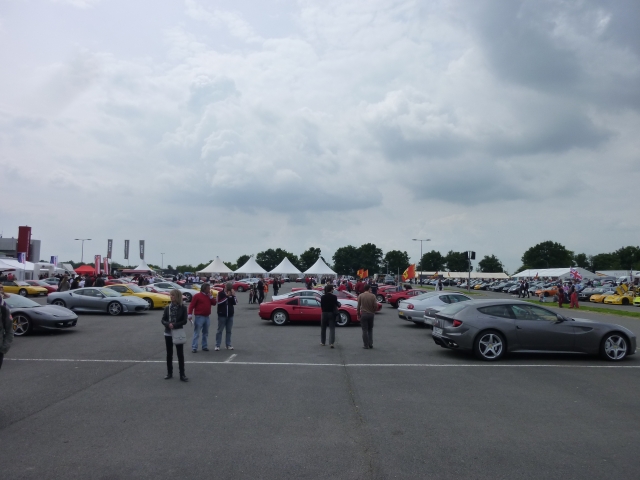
x=174 y=319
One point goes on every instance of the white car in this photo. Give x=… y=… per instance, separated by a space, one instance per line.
x=187 y=293
x=316 y=293
x=413 y=310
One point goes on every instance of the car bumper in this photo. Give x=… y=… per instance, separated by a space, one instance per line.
x=56 y=324
x=462 y=340
x=410 y=315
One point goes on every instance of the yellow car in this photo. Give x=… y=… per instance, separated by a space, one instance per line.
x=155 y=300
x=23 y=288
x=622 y=296
x=599 y=298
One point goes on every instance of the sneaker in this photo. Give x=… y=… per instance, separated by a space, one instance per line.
x=194 y=351
x=183 y=378
x=205 y=349
x=217 y=349
x=229 y=347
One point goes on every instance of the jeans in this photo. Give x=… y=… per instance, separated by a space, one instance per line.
x=168 y=340
x=366 y=322
x=328 y=319
x=200 y=323
x=261 y=296
x=224 y=322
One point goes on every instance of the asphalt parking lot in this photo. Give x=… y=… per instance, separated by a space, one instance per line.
x=92 y=403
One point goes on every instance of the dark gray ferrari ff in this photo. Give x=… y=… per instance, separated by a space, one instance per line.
x=491 y=328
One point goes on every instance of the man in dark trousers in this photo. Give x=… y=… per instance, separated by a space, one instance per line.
x=367 y=306
x=260 y=291
x=100 y=281
x=6 y=327
x=276 y=286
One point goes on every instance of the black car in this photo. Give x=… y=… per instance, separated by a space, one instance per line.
x=585 y=294
x=29 y=315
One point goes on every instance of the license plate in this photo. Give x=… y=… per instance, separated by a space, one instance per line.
x=400 y=314
x=437 y=331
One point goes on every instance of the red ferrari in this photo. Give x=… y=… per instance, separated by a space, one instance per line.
x=302 y=309
x=394 y=297
x=41 y=283
x=238 y=286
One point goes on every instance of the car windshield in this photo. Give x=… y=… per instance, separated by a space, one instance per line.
x=174 y=285
x=426 y=295
x=22 y=284
x=453 y=309
x=135 y=289
x=107 y=292
x=17 y=301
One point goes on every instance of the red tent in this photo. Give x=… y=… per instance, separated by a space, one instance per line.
x=84 y=269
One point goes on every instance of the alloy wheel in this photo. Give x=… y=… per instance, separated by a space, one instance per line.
x=21 y=325
x=114 y=308
x=279 y=317
x=615 y=347
x=490 y=346
x=343 y=319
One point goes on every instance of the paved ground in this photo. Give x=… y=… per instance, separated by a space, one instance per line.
x=92 y=403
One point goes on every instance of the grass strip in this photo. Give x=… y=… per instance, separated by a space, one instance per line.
x=602 y=310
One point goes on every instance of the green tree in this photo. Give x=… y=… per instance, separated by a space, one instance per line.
x=346 y=260
x=232 y=266
x=457 y=261
x=269 y=259
x=605 y=261
x=169 y=267
x=397 y=261
x=370 y=257
x=548 y=255
x=308 y=258
x=431 y=262
x=185 y=268
x=490 y=264
x=582 y=260
x=628 y=257
x=242 y=259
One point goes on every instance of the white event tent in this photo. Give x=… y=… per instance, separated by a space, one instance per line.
x=142 y=268
x=320 y=268
x=217 y=266
x=4 y=267
x=23 y=271
x=285 y=267
x=251 y=267
x=560 y=273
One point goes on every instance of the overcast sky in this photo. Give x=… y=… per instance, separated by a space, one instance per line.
x=228 y=127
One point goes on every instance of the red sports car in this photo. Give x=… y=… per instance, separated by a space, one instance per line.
x=115 y=281
x=383 y=290
x=302 y=309
x=394 y=297
x=238 y=286
x=41 y=283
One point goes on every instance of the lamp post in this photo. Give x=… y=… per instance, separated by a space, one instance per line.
x=82 y=254
x=420 y=263
x=162 y=265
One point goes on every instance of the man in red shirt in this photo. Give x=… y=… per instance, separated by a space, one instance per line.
x=359 y=287
x=200 y=305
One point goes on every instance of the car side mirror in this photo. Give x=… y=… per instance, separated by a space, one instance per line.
x=560 y=319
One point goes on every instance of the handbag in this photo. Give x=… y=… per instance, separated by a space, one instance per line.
x=179 y=336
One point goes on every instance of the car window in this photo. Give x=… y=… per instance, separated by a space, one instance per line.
x=530 y=312
x=293 y=302
x=308 y=294
x=16 y=301
x=117 y=288
x=309 y=302
x=458 y=298
x=496 y=311
x=92 y=292
x=453 y=309
x=9 y=284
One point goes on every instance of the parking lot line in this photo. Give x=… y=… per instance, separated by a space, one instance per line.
x=303 y=364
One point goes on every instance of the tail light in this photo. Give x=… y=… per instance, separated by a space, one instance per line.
x=410 y=306
x=457 y=323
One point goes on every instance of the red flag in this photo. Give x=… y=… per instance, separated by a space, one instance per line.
x=410 y=272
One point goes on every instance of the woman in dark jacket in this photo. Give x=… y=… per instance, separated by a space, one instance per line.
x=329 y=305
x=174 y=318
x=226 y=302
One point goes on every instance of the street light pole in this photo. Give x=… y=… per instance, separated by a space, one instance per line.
x=82 y=254
x=421 y=240
x=162 y=265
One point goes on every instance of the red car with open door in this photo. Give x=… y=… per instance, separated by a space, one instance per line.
x=394 y=297
x=303 y=309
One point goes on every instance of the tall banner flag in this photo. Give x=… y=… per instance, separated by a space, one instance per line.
x=97 y=262
x=109 y=247
x=22 y=257
x=410 y=272
x=141 y=249
x=54 y=260
x=105 y=266
x=126 y=249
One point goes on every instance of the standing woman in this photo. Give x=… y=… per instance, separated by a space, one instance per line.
x=174 y=318
x=226 y=301
x=560 y=295
x=329 y=305
x=573 y=297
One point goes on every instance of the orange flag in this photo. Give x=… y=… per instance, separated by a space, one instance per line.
x=410 y=272
x=365 y=273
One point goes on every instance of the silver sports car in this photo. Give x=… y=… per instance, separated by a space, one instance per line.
x=491 y=328
x=29 y=315
x=97 y=299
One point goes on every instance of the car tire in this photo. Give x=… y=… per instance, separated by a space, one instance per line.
x=489 y=346
x=419 y=324
x=114 y=309
x=22 y=325
x=344 y=319
x=188 y=297
x=279 y=317
x=380 y=298
x=241 y=289
x=150 y=302
x=59 y=303
x=22 y=292
x=625 y=301
x=614 y=347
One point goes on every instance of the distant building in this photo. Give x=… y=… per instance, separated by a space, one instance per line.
x=9 y=248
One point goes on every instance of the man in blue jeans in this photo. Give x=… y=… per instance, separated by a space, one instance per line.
x=200 y=305
x=226 y=301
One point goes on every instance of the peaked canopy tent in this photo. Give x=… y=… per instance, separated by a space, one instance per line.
x=285 y=267
x=5 y=267
x=22 y=271
x=320 y=268
x=142 y=268
x=217 y=266
x=251 y=267
x=559 y=273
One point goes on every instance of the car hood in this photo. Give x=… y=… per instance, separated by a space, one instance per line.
x=49 y=310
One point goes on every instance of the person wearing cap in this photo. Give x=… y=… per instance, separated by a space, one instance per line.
x=329 y=305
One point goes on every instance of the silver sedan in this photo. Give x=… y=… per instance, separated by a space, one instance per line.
x=97 y=299
x=491 y=328
x=415 y=309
